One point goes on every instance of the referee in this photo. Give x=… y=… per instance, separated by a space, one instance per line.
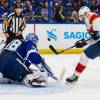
x=14 y=24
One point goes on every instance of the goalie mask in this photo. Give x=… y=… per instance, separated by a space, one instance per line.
x=32 y=37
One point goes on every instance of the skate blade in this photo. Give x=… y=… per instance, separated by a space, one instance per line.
x=70 y=83
x=34 y=84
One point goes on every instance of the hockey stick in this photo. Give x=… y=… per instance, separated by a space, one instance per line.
x=48 y=69
x=56 y=52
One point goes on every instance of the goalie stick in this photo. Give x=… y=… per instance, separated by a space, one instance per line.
x=56 y=52
x=61 y=75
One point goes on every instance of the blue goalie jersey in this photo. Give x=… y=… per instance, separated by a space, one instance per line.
x=25 y=50
x=17 y=57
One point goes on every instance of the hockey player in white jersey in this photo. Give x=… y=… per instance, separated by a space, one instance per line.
x=92 y=21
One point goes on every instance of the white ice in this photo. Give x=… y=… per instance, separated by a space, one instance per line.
x=87 y=88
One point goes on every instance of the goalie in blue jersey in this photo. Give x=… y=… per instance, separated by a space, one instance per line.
x=16 y=59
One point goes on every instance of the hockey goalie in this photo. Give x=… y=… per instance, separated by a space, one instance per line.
x=17 y=59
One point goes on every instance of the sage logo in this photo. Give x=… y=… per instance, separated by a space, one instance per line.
x=52 y=34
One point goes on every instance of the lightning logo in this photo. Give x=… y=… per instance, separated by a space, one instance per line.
x=52 y=34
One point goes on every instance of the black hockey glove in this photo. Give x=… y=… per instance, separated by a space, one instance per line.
x=95 y=35
x=81 y=43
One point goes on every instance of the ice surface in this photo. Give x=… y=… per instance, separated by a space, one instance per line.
x=88 y=86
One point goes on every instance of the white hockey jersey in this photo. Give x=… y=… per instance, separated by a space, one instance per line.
x=93 y=24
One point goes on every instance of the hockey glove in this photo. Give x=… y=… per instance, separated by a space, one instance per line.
x=81 y=43
x=95 y=35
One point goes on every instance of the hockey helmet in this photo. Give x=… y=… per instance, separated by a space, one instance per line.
x=82 y=11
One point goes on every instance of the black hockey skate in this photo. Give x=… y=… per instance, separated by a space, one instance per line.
x=71 y=80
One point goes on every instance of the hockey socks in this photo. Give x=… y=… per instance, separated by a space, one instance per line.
x=79 y=69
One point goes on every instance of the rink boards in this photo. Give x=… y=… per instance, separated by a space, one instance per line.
x=61 y=36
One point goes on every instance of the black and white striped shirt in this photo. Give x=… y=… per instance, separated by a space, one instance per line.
x=14 y=23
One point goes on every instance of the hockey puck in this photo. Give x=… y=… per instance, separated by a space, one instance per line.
x=49 y=39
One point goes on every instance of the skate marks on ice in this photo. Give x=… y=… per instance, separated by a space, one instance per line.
x=52 y=88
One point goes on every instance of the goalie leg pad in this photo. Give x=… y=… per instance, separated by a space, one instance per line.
x=36 y=79
x=41 y=81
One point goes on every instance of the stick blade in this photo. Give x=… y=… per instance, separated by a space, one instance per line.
x=53 y=49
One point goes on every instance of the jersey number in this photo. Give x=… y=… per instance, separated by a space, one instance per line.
x=13 y=46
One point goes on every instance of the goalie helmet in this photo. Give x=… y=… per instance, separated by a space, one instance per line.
x=82 y=11
x=32 y=37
